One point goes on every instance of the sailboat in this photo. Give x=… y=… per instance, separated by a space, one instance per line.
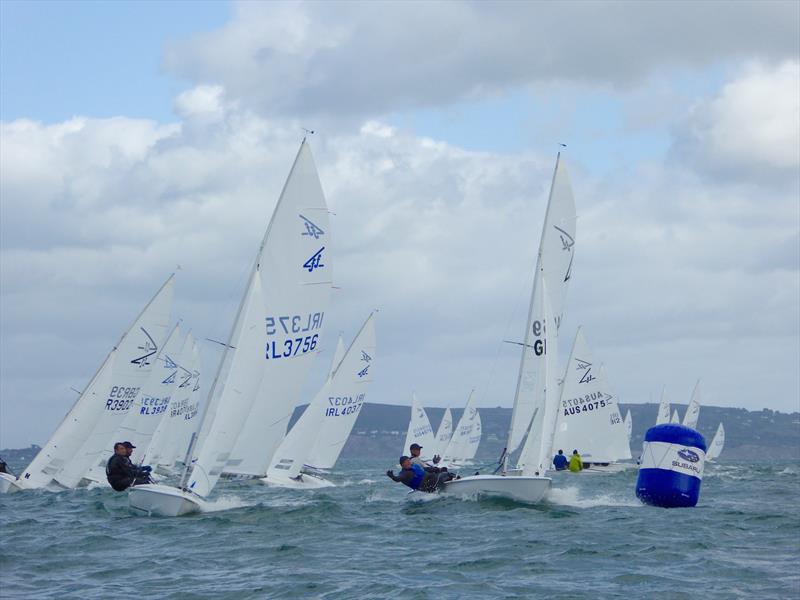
x=317 y=439
x=536 y=397
x=419 y=431
x=444 y=433
x=589 y=419
x=273 y=340
x=663 y=408
x=148 y=409
x=173 y=433
x=628 y=420
x=79 y=438
x=717 y=444
x=676 y=418
x=693 y=411
x=462 y=445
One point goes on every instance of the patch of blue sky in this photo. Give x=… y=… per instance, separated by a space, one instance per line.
x=98 y=59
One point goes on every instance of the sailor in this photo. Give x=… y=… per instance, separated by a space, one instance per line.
x=424 y=479
x=3 y=466
x=575 y=462
x=560 y=461
x=416 y=459
x=121 y=472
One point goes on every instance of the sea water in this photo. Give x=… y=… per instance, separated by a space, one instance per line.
x=368 y=538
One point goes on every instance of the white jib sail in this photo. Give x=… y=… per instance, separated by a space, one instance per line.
x=296 y=270
x=675 y=417
x=148 y=410
x=243 y=362
x=474 y=438
x=105 y=400
x=535 y=456
x=589 y=419
x=556 y=252
x=629 y=425
x=693 y=411
x=162 y=449
x=190 y=413
x=444 y=433
x=318 y=437
x=717 y=444
x=458 y=448
x=663 y=408
x=419 y=431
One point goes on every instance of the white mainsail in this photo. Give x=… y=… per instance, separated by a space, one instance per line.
x=628 y=425
x=318 y=437
x=296 y=267
x=693 y=411
x=149 y=409
x=419 y=431
x=554 y=262
x=663 y=408
x=459 y=446
x=717 y=444
x=170 y=437
x=444 y=433
x=675 y=417
x=589 y=419
x=536 y=453
x=100 y=408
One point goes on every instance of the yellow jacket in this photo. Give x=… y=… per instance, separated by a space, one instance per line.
x=575 y=463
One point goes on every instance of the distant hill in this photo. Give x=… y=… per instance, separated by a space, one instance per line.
x=380 y=431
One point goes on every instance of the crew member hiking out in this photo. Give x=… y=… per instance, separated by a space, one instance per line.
x=121 y=472
x=424 y=479
x=560 y=461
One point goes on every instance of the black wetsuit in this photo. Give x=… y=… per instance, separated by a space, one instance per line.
x=122 y=473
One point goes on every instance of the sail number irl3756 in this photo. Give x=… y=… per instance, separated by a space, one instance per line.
x=292 y=335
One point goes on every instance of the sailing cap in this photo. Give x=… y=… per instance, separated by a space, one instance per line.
x=128 y=445
x=417 y=446
x=402 y=458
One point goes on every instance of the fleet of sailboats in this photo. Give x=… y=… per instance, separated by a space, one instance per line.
x=147 y=390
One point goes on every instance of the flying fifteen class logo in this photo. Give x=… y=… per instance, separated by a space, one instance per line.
x=585 y=366
x=315 y=262
x=149 y=347
x=196 y=376
x=311 y=228
x=365 y=357
x=187 y=378
x=567 y=243
x=363 y=372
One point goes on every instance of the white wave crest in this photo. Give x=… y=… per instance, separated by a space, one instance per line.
x=571 y=496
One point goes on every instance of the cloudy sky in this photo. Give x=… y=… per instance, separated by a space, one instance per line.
x=141 y=136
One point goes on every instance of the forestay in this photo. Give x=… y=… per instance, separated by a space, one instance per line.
x=693 y=411
x=554 y=262
x=589 y=419
x=419 y=431
x=318 y=437
x=100 y=408
x=296 y=269
x=149 y=408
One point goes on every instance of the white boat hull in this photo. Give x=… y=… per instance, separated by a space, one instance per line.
x=163 y=500
x=8 y=484
x=517 y=487
x=306 y=481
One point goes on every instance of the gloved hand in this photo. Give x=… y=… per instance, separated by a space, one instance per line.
x=147 y=468
x=436 y=459
x=390 y=473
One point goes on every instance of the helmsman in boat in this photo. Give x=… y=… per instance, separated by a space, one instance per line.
x=416 y=459
x=560 y=461
x=121 y=472
x=575 y=462
x=424 y=479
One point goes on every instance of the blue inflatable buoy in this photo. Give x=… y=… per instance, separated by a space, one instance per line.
x=671 y=471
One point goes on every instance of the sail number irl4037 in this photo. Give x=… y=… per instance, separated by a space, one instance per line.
x=292 y=335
